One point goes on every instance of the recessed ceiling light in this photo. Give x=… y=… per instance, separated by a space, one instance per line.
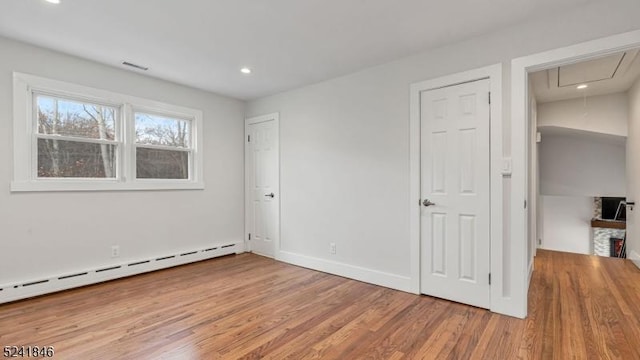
x=581 y=87
x=245 y=70
x=53 y=1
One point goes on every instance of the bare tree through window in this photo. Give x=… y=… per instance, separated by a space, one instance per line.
x=163 y=147
x=77 y=139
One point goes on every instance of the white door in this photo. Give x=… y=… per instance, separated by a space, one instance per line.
x=454 y=221
x=262 y=184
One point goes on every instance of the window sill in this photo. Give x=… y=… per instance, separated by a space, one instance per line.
x=98 y=185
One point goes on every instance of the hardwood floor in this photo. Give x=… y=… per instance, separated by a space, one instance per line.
x=250 y=307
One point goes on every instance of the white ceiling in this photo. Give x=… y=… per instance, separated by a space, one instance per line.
x=607 y=75
x=287 y=43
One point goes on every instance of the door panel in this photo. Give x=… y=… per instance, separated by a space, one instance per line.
x=467 y=160
x=467 y=248
x=439 y=245
x=263 y=220
x=439 y=143
x=455 y=125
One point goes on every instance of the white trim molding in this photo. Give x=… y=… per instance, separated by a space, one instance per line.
x=635 y=258
x=531 y=266
x=520 y=68
x=370 y=276
x=500 y=302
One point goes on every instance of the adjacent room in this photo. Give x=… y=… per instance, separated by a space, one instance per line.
x=233 y=179
x=581 y=154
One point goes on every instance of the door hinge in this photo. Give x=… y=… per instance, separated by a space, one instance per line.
x=249 y=236
x=420 y=202
x=489 y=97
x=525 y=204
x=248 y=138
x=489 y=278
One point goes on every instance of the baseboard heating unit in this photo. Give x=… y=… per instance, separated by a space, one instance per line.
x=35 y=287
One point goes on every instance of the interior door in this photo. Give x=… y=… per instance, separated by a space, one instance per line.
x=262 y=179
x=455 y=208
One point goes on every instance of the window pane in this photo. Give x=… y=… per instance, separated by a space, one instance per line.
x=160 y=130
x=161 y=164
x=71 y=159
x=72 y=118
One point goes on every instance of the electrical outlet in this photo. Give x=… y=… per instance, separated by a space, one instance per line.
x=332 y=248
x=115 y=251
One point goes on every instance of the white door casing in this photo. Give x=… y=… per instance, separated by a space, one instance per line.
x=520 y=69
x=262 y=190
x=455 y=176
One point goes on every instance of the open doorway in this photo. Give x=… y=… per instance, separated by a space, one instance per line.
x=578 y=128
x=524 y=236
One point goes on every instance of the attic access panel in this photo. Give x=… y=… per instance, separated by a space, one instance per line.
x=589 y=71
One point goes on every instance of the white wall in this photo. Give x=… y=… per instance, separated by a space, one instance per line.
x=345 y=143
x=575 y=165
x=606 y=114
x=581 y=156
x=633 y=174
x=567 y=223
x=44 y=234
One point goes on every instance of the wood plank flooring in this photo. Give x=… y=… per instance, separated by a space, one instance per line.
x=250 y=307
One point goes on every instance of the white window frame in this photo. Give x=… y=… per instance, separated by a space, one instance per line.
x=35 y=135
x=26 y=87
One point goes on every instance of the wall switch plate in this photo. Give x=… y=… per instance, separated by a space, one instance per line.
x=506 y=166
x=332 y=248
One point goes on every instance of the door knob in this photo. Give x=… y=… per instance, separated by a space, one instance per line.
x=270 y=195
x=427 y=202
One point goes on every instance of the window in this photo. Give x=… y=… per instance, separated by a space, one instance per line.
x=162 y=147
x=74 y=139
x=71 y=137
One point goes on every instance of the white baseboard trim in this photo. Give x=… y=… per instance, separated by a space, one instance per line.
x=531 y=270
x=393 y=281
x=49 y=284
x=635 y=258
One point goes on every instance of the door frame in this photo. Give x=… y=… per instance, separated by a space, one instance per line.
x=520 y=145
x=247 y=187
x=498 y=301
